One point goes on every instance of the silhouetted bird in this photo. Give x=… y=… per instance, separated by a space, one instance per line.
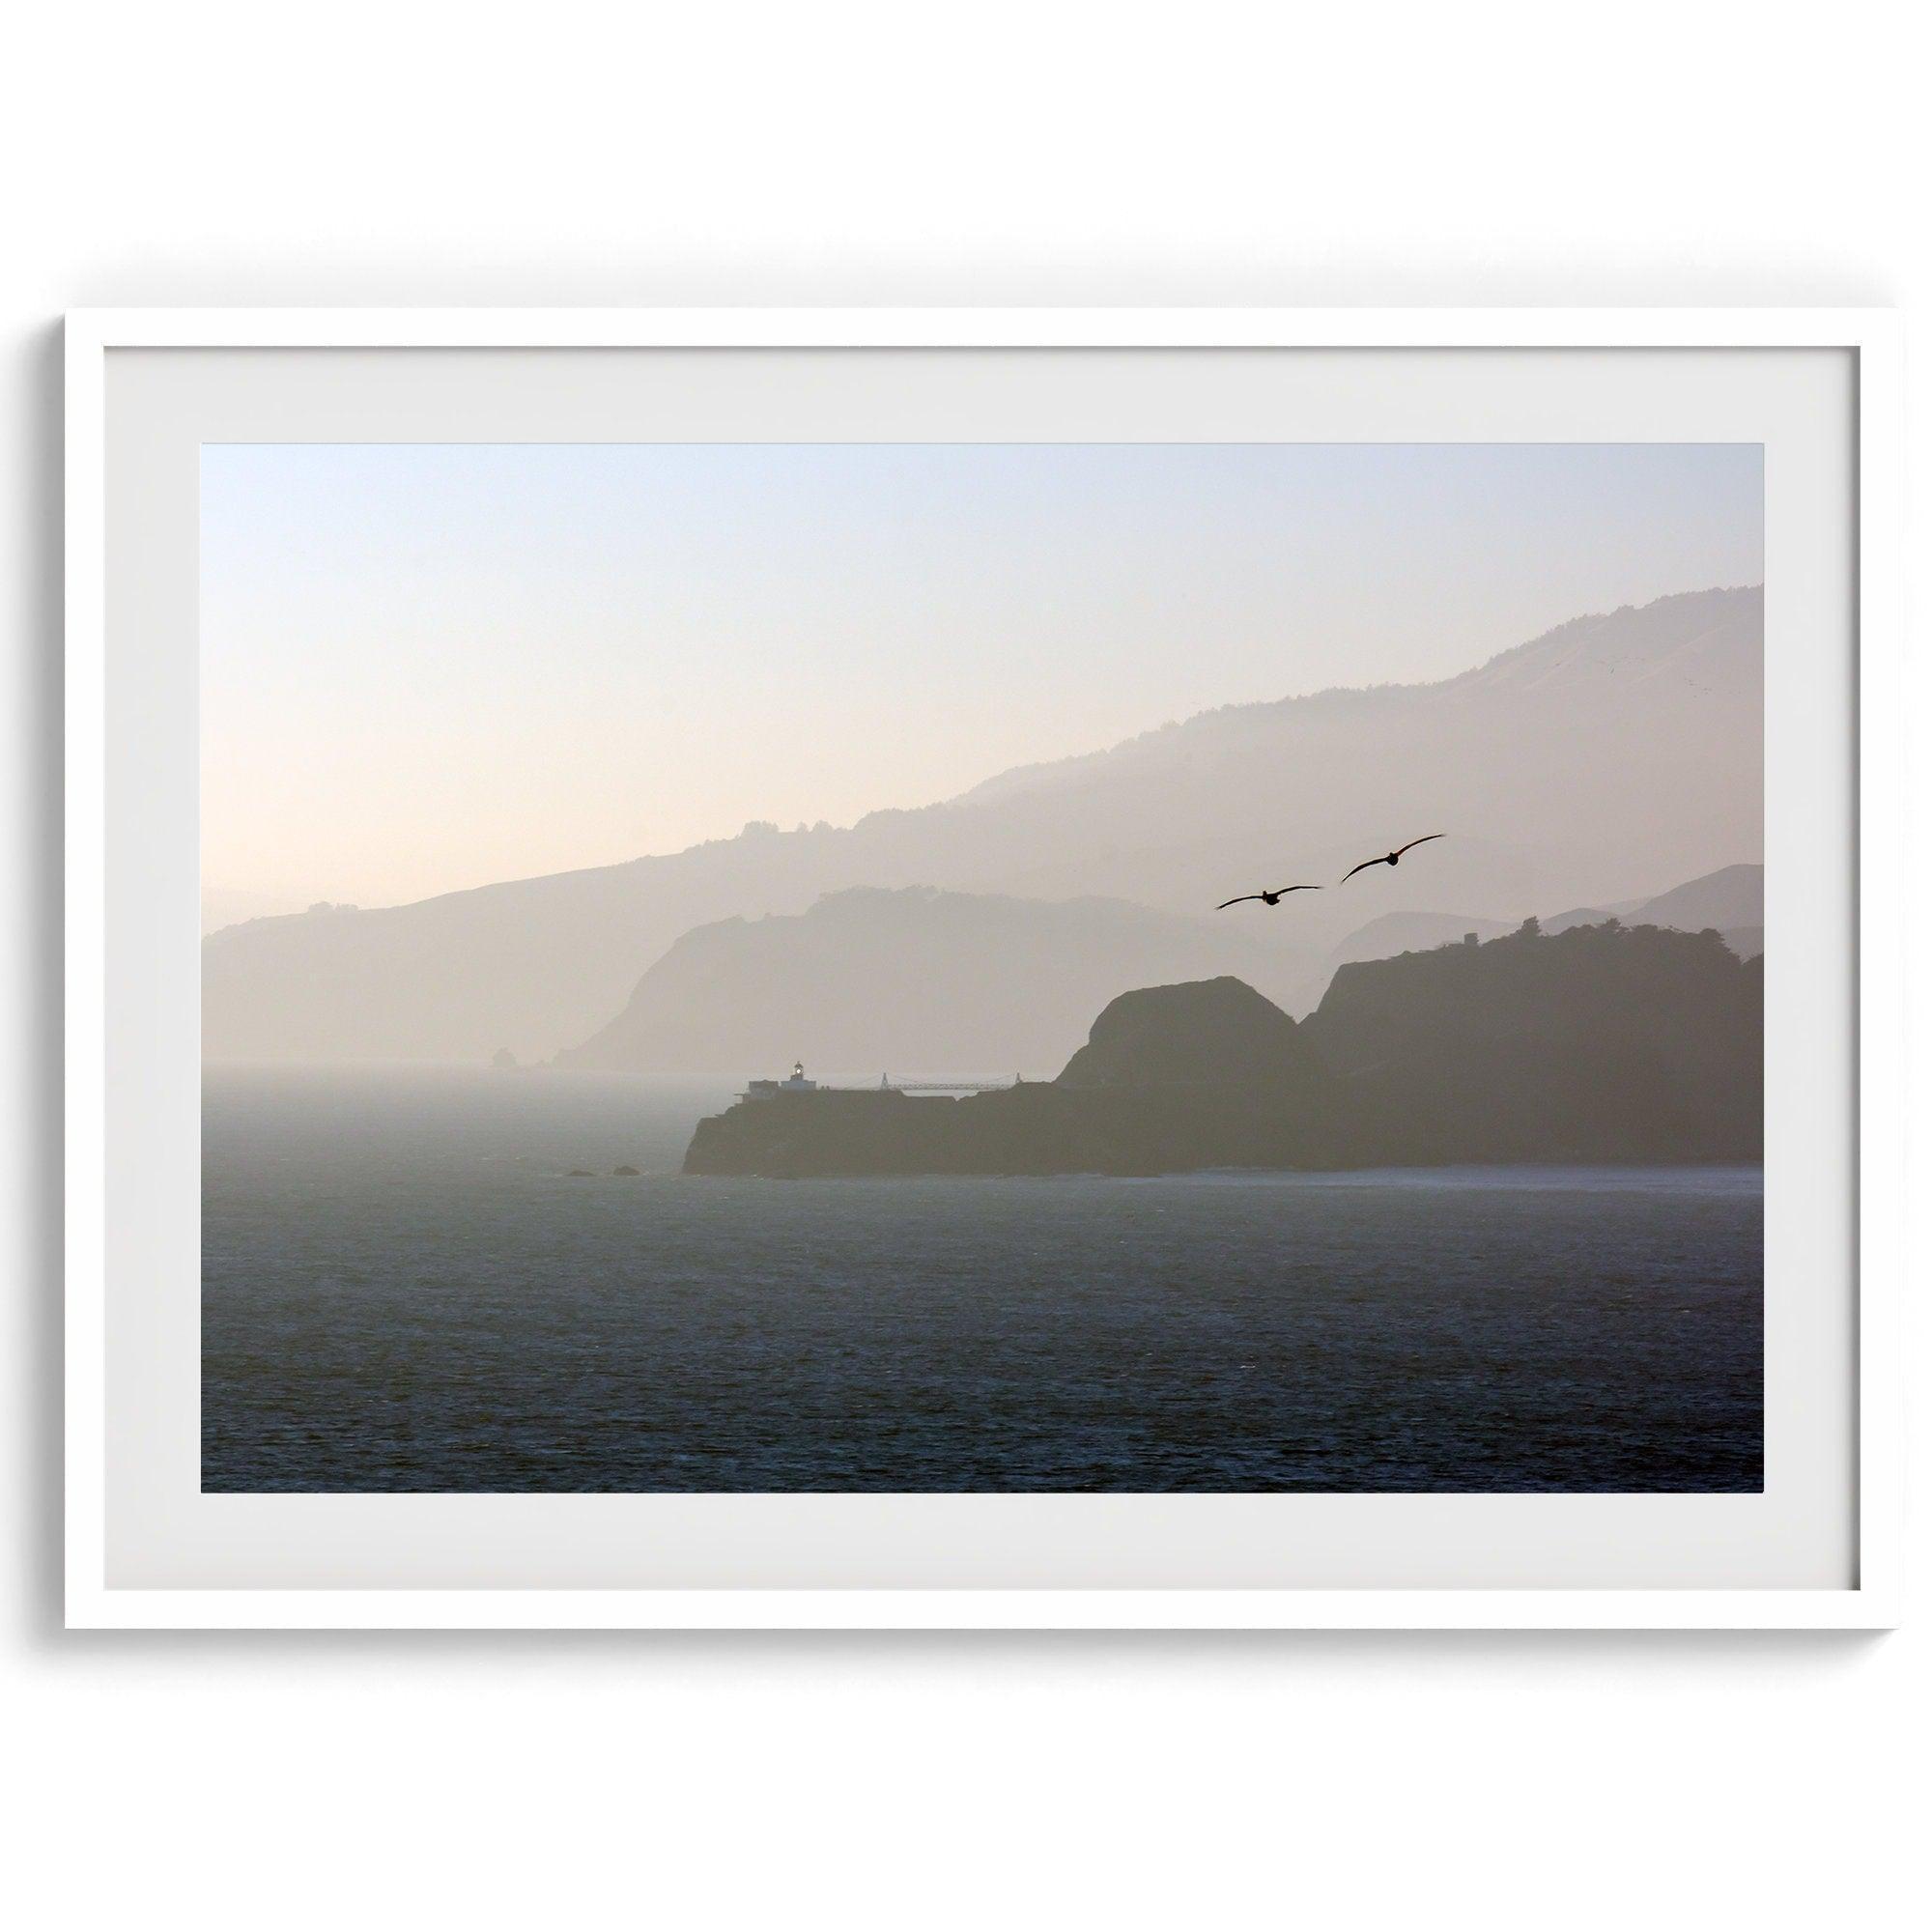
x=1275 y=898
x=1391 y=858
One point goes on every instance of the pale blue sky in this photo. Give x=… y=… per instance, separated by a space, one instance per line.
x=428 y=666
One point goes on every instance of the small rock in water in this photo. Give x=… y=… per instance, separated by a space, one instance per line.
x=625 y=1173
x=580 y=1173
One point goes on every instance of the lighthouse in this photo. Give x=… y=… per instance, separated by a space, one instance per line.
x=766 y=1090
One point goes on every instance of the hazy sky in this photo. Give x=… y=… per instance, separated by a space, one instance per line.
x=430 y=667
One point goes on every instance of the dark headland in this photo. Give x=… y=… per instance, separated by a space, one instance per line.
x=1602 y=1044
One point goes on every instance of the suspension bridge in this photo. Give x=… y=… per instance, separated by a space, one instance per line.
x=768 y=1089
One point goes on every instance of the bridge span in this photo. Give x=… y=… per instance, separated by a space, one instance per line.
x=770 y=1089
x=948 y=1085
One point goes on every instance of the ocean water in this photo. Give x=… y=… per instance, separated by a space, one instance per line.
x=404 y=1289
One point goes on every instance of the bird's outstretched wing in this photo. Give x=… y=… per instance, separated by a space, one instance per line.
x=1362 y=867
x=1245 y=896
x=1423 y=841
x=1282 y=891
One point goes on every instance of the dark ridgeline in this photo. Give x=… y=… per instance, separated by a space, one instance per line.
x=1215 y=1033
x=1602 y=1043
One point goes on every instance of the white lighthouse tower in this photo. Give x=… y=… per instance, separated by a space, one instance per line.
x=766 y=1090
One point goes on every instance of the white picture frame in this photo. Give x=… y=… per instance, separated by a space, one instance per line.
x=1871 y=1599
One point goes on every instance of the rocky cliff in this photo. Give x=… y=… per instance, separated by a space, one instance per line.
x=1602 y=1044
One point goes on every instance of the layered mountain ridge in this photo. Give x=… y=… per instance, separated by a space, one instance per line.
x=1577 y=769
x=913 y=979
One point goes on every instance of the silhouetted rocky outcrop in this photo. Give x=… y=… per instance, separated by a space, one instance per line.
x=1217 y=1032
x=1602 y=1044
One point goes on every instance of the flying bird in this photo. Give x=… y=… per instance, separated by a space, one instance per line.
x=1391 y=858
x=1275 y=898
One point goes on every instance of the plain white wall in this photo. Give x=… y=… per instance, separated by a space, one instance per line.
x=402 y=152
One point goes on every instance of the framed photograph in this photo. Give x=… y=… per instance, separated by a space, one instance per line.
x=984 y=968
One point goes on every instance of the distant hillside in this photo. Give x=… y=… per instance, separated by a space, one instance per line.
x=1602 y=1044
x=913 y=979
x=1730 y=900
x=910 y=980
x=1724 y=899
x=1411 y=933
x=1733 y=896
x=1577 y=769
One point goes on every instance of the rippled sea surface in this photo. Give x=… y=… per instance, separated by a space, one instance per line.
x=405 y=1287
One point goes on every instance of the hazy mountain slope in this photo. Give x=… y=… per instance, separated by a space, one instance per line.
x=1411 y=933
x=1732 y=897
x=220 y=909
x=1730 y=900
x=1577 y=769
x=909 y=982
x=1562 y=922
x=531 y=964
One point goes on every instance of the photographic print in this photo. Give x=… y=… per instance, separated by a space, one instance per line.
x=1167 y=967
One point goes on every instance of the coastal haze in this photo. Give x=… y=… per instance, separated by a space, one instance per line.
x=431 y=668
x=1614 y=758
x=613 y=782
